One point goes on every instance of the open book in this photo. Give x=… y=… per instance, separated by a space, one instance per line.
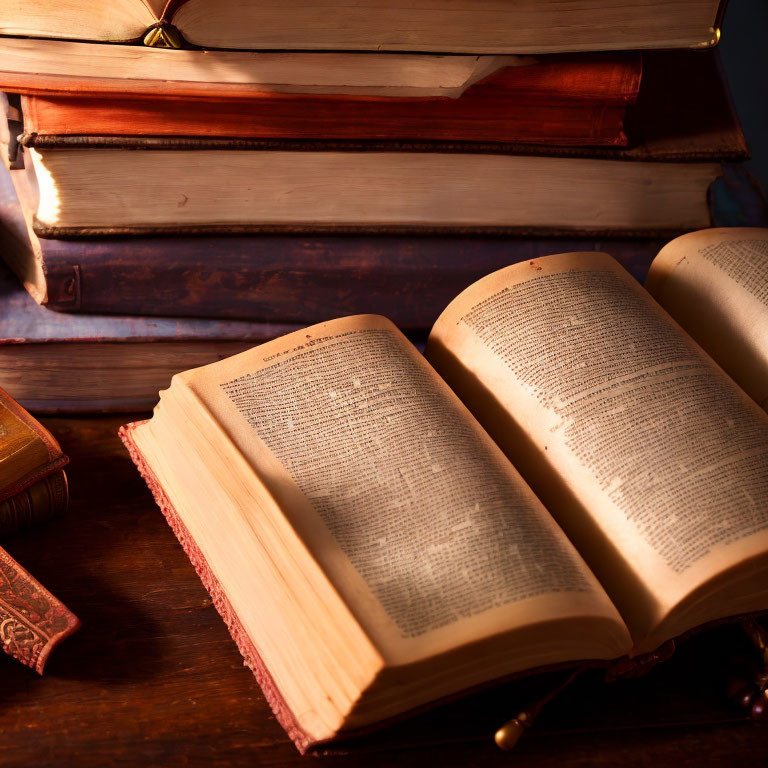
x=374 y=546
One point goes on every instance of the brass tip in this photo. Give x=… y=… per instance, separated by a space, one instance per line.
x=509 y=734
x=163 y=36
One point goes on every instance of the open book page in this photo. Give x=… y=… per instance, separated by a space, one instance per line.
x=715 y=284
x=415 y=515
x=654 y=461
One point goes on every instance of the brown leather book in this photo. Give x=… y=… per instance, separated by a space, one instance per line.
x=33 y=487
x=568 y=100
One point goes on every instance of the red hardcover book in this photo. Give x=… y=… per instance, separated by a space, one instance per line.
x=563 y=100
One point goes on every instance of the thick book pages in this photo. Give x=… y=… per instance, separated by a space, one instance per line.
x=222 y=604
x=635 y=440
x=715 y=285
x=266 y=278
x=430 y=188
x=56 y=67
x=378 y=550
x=33 y=487
x=386 y=594
x=535 y=26
x=577 y=100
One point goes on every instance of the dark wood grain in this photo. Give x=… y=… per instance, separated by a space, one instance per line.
x=153 y=678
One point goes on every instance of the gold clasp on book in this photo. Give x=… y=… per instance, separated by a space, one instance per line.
x=163 y=35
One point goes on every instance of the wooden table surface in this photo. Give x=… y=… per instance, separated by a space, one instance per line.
x=153 y=678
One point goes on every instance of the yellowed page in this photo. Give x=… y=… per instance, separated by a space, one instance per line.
x=214 y=187
x=715 y=284
x=654 y=462
x=111 y=67
x=83 y=19
x=412 y=511
x=536 y=26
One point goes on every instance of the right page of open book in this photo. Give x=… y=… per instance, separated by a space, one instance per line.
x=654 y=461
x=715 y=284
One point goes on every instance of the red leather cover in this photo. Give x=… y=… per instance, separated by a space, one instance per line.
x=576 y=100
x=309 y=117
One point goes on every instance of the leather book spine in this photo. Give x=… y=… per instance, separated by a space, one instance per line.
x=32 y=621
x=683 y=114
x=292 y=279
x=494 y=118
x=38 y=502
x=29 y=454
x=564 y=100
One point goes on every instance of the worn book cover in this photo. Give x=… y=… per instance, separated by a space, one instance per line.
x=33 y=487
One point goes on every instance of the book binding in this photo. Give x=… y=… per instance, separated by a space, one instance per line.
x=243 y=642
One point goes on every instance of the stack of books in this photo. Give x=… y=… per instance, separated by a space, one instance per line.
x=380 y=529
x=264 y=167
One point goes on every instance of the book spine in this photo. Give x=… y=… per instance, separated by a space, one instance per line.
x=292 y=279
x=496 y=118
x=41 y=501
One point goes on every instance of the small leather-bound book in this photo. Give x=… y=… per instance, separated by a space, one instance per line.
x=33 y=487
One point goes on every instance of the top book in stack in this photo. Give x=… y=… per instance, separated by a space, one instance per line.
x=456 y=26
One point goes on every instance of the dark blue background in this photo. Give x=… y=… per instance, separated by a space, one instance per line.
x=744 y=51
